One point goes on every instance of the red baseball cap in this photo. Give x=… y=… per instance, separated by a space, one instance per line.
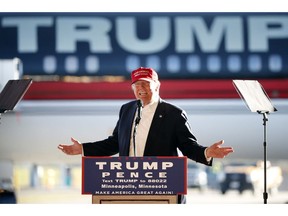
x=142 y=73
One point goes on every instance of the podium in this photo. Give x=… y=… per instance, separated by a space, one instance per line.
x=134 y=180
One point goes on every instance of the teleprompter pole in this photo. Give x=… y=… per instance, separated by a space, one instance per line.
x=265 y=119
x=258 y=101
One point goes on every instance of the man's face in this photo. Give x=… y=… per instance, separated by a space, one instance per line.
x=144 y=90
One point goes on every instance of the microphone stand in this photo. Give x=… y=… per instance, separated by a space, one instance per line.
x=137 y=120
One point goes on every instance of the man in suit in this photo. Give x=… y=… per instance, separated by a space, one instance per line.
x=150 y=126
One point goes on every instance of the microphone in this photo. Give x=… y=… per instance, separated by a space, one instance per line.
x=138 y=118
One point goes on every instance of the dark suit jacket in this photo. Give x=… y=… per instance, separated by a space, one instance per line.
x=169 y=130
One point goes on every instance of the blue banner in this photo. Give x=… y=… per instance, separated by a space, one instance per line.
x=134 y=175
x=176 y=45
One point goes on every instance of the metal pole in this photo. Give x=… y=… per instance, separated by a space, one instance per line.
x=265 y=194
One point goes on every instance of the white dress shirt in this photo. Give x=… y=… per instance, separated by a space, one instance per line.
x=142 y=129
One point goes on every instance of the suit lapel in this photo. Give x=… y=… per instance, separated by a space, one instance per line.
x=124 y=144
x=155 y=125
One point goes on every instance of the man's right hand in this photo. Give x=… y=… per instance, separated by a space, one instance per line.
x=74 y=149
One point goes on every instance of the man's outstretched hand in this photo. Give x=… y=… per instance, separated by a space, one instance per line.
x=217 y=151
x=74 y=149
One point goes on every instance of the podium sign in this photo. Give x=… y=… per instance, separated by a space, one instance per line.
x=134 y=175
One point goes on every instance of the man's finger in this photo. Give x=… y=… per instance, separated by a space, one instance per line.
x=219 y=143
x=74 y=140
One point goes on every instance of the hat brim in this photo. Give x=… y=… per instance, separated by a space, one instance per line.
x=143 y=79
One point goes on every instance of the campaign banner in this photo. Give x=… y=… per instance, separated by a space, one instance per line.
x=134 y=175
x=178 y=45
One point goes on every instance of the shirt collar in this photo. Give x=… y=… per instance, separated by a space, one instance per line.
x=152 y=105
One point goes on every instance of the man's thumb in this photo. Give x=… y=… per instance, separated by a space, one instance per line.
x=73 y=140
x=220 y=142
